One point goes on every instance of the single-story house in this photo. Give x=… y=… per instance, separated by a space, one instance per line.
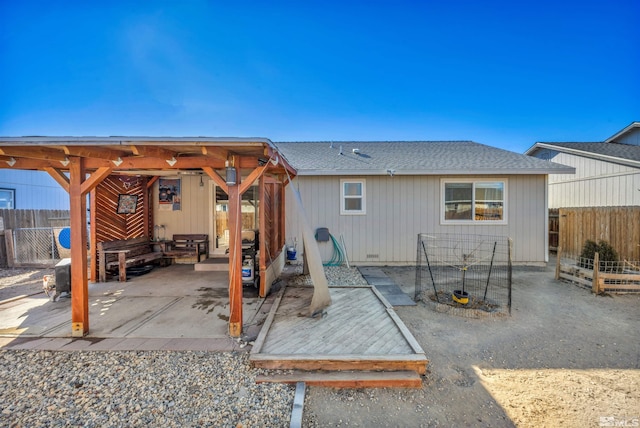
x=607 y=172
x=376 y=197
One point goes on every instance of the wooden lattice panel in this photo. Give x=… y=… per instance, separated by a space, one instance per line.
x=109 y=224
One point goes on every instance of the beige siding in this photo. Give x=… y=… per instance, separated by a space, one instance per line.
x=400 y=207
x=595 y=184
x=194 y=215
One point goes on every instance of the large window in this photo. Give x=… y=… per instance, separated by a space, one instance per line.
x=7 y=198
x=473 y=201
x=352 y=197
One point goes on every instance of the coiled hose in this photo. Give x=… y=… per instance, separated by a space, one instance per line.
x=338 y=257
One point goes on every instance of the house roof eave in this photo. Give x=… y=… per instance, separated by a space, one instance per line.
x=583 y=153
x=507 y=171
x=622 y=132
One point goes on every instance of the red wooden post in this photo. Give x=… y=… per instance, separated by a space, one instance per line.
x=262 y=227
x=235 y=259
x=79 y=280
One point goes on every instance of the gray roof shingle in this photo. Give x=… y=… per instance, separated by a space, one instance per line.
x=614 y=150
x=410 y=158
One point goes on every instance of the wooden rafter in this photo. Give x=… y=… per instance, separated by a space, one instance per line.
x=94 y=152
x=215 y=152
x=154 y=152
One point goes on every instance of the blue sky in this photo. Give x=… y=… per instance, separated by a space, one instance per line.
x=501 y=73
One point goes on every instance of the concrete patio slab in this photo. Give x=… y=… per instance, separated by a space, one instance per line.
x=169 y=308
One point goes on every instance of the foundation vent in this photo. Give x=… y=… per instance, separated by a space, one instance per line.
x=373 y=256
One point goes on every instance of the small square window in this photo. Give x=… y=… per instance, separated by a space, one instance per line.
x=8 y=198
x=352 y=197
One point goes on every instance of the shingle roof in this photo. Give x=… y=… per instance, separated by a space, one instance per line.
x=410 y=157
x=614 y=150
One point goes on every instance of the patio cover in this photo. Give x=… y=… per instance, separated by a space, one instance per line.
x=79 y=164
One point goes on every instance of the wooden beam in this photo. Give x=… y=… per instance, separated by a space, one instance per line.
x=262 y=227
x=79 y=280
x=31 y=164
x=147 y=219
x=253 y=176
x=93 y=239
x=31 y=152
x=141 y=162
x=59 y=176
x=235 y=261
x=151 y=181
x=154 y=152
x=350 y=379
x=94 y=152
x=95 y=179
x=330 y=362
x=216 y=178
x=282 y=161
x=215 y=152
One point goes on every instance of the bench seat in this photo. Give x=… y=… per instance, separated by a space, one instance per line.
x=125 y=253
x=189 y=245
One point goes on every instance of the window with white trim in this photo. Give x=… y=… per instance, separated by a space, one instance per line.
x=474 y=201
x=352 y=197
x=8 y=198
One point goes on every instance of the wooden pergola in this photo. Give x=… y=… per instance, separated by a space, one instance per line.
x=81 y=164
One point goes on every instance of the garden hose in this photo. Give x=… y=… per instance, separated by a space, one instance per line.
x=338 y=257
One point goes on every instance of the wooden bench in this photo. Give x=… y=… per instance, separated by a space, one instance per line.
x=191 y=245
x=124 y=253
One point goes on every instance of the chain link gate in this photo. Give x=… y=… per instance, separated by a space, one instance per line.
x=40 y=245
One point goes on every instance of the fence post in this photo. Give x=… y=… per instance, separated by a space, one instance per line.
x=11 y=254
x=558 y=257
x=595 y=285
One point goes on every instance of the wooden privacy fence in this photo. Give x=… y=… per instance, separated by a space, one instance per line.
x=619 y=226
x=619 y=276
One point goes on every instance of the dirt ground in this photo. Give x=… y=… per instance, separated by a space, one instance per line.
x=564 y=358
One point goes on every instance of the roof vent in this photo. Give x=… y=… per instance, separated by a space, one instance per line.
x=340 y=151
x=356 y=151
x=331 y=145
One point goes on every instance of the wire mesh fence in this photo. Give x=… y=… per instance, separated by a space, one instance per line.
x=465 y=271
x=40 y=246
x=618 y=276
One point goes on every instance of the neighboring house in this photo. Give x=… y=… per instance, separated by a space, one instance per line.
x=22 y=189
x=607 y=172
x=378 y=196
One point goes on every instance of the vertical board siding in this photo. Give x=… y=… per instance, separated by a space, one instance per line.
x=34 y=190
x=595 y=183
x=619 y=226
x=193 y=217
x=400 y=207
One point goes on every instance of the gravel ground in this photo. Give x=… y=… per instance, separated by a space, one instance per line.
x=564 y=358
x=150 y=388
